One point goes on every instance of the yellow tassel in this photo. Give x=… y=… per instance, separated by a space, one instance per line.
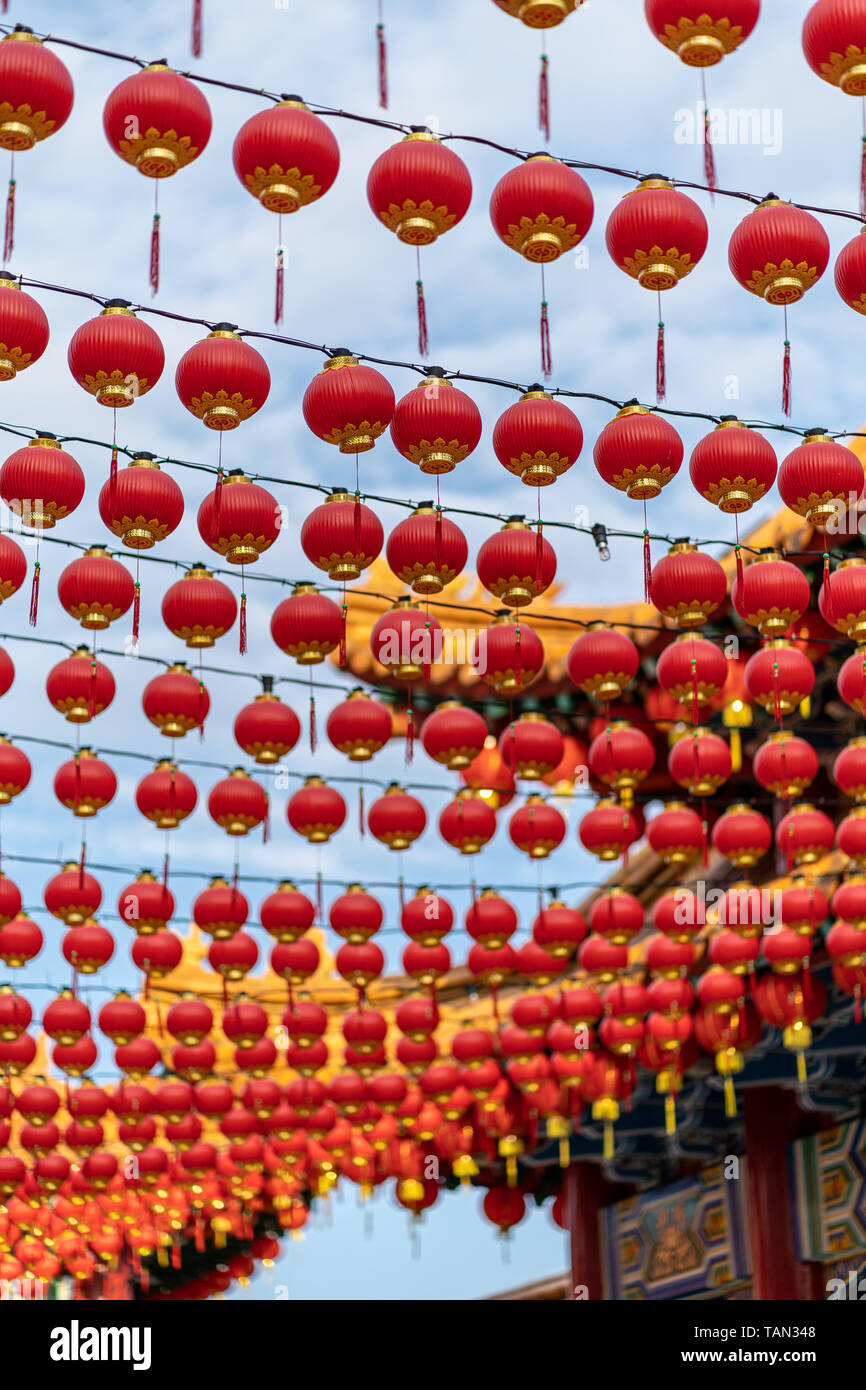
x=161 y=1255
x=801 y=1068
x=670 y=1114
x=511 y=1170
x=609 y=1144
x=806 y=707
x=736 y=750
x=564 y=1152
x=730 y=1098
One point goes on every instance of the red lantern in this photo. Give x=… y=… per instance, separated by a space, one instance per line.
x=360 y=964
x=608 y=830
x=436 y=425
x=677 y=834
x=66 y=1019
x=166 y=796
x=834 y=42
x=267 y=729
x=348 y=404
x=657 y=235
x=73 y=895
x=820 y=479
x=80 y=686
x=785 y=765
x=176 y=701
x=157 y=121
x=23 y=324
x=307 y=626
x=146 y=905
x=141 y=504
x=426 y=550
x=616 y=916
x=842 y=600
x=407 y=641
x=688 y=585
x=508 y=655
x=396 y=819
x=316 y=811
x=239 y=524
x=95 y=589
x=638 y=452
x=359 y=726
x=15 y=771
x=742 y=835
x=733 y=466
x=779 y=678
x=88 y=947
x=221 y=909
x=238 y=803
x=41 y=483
x=602 y=662
x=7 y=671
x=116 y=357
x=233 y=958
x=515 y=564
x=491 y=920
x=693 y=671
x=199 y=608
x=20 y=941
x=559 y=929
x=453 y=735
x=13 y=566
x=621 y=757
x=803 y=906
x=122 y=1018
x=849 y=769
x=531 y=747
x=702 y=32
x=778 y=252
x=850 y=274
x=536 y=828
x=287 y=914
x=851 y=680
x=222 y=380
x=541 y=209
x=538 y=438
x=772 y=594
x=37 y=91
x=468 y=822
x=295 y=961
x=342 y=536
x=851 y=837
x=85 y=784
x=285 y=156
x=356 y=915
x=426 y=917
x=700 y=762
x=10 y=900
x=805 y=834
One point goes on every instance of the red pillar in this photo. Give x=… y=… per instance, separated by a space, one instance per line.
x=772 y=1120
x=587 y=1192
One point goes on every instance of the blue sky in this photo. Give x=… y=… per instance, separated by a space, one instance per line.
x=83 y=219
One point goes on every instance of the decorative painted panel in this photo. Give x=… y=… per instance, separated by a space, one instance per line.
x=829 y=1178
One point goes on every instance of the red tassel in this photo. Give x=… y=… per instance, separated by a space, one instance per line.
x=278 y=301
x=313 y=738
x=739 y=556
x=786 y=379
x=154 y=255
x=82 y=860
x=218 y=489
x=319 y=896
x=112 y=473
x=858 y=1005
x=826 y=574
x=344 y=613
x=196 y=28
x=136 y=615
x=410 y=734
x=165 y=868
x=437 y=540
x=361 y=811
x=9 y=232
x=428 y=640
x=544 y=99
x=863 y=178
x=705 y=855
x=777 y=704
x=401 y=895
x=423 y=339
x=266 y=823
x=661 y=373
x=356 y=523
x=242 y=645
x=696 y=704
x=200 y=710
x=647 y=567
x=546 y=355
x=539 y=557
x=383 y=66
x=709 y=157
x=34 y=594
